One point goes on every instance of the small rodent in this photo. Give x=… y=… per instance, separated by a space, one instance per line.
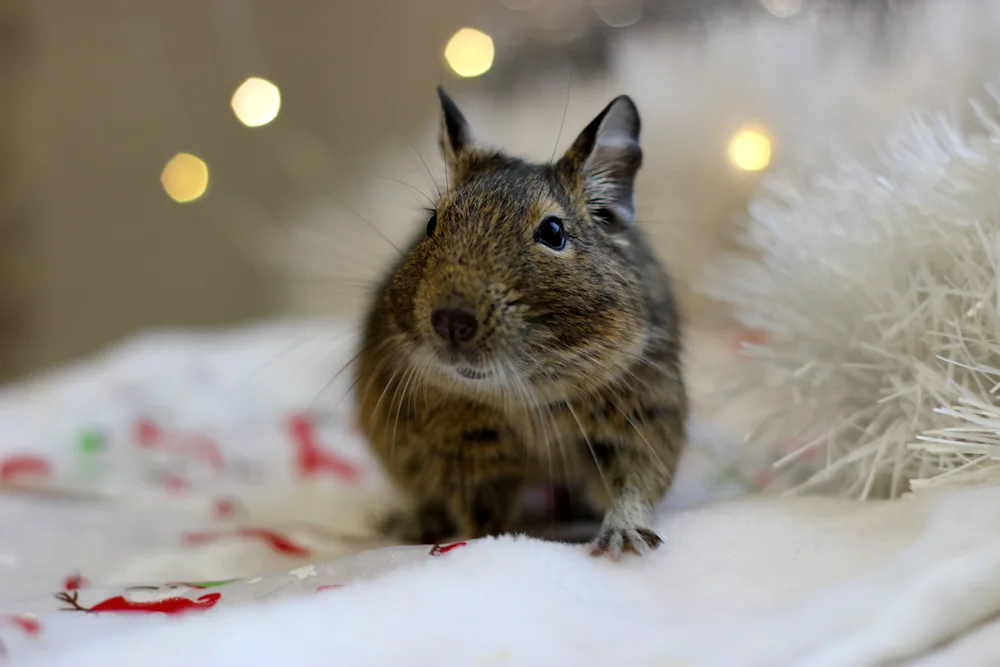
x=529 y=332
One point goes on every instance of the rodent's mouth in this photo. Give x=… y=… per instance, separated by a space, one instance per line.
x=457 y=362
x=472 y=373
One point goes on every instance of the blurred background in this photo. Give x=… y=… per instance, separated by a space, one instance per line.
x=201 y=162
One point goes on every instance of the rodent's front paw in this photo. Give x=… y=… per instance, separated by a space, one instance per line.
x=616 y=540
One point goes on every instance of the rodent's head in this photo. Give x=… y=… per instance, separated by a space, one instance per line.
x=525 y=287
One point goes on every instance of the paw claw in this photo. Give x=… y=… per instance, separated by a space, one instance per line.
x=651 y=539
x=617 y=541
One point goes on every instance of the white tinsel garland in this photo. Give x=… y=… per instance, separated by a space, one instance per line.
x=876 y=285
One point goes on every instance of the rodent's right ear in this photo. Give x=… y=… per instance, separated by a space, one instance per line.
x=456 y=138
x=603 y=162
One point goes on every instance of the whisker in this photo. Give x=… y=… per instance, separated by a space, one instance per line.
x=329 y=383
x=395 y=395
x=658 y=179
x=399 y=393
x=425 y=364
x=287 y=350
x=409 y=185
x=424 y=162
x=562 y=123
x=417 y=381
x=346 y=393
x=547 y=430
x=331 y=281
x=590 y=446
x=366 y=221
x=374 y=375
x=649 y=446
x=381 y=397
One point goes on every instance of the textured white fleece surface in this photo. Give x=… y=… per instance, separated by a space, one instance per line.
x=756 y=582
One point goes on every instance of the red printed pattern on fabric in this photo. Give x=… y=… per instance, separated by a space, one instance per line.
x=311 y=458
x=149 y=435
x=224 y=508
x=276 y=541
x=19 y=466
x=328 y=587
x=118 y=604
x=29 y=625
x=440 y=550
x=174 y=483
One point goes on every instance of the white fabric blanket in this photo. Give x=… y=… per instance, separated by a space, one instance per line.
x=188 y=504
x=812 y=583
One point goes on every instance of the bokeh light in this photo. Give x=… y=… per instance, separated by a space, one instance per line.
x=750 y=149
x=783 y=8
x=256 y=102
x=469 y=52
x=618 y=13
x=185 y=178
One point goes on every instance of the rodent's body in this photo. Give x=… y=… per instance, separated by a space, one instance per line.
x=562 y=362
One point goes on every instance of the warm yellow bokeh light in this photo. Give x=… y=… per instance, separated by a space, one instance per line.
x=469 y=52
x=750 y=149
x=783 y=8
x=185 y=178
x=256 y=102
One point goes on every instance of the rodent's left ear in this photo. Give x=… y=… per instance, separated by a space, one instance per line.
x=604 y=160
x=456 y=137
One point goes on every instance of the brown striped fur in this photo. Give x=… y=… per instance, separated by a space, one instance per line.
x=574 y=369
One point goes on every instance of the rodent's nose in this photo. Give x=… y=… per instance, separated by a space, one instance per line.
x=454 y=324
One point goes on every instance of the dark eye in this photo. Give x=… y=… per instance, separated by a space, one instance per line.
x=432 y=224
x=551 y=233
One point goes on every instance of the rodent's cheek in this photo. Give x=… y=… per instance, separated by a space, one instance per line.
x=421 y=311
x=405 y=295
